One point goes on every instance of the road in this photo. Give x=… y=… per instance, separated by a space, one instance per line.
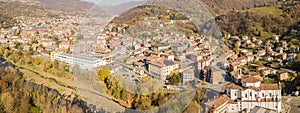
x=294 y=103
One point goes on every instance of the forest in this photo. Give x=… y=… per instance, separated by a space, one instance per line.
x=260 y=24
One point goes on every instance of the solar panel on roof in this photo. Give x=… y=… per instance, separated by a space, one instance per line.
x=167 y=62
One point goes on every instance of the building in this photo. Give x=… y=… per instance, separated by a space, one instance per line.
x=162 y=68
x=84 y=62
x=214 y=75
x=219 y=104
x=188 y=76
x=248 y=95
x=160 y=47
x=258 y=109
x=195 y=57
x=282 y=75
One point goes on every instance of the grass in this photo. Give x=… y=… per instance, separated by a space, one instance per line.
x=273 y=10
x=251 y=50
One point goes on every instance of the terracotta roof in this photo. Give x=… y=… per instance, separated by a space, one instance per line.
x=254 y=88
x=223 y=99
x=163 y=62
x=233 y=86
x=264 y=86
x=188 y=71
x=250 y=79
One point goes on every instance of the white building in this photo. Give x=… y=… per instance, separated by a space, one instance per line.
x=162 y=68
x=84 y=62
x=245 y=97
x=188 y=75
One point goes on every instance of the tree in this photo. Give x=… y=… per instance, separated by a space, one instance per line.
x=17 y=45
x=55 y=64
x=8 y=101
x=193 y=107
x=200 y=93
x=143 y=103
x=6 y=53
x=104 y=73
x=65 y=67
x=174 y=78
x=47 y=65
x=25 y=104
x=37 y=61
x=123 y=95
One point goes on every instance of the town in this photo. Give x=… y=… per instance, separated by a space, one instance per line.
x=246 y=75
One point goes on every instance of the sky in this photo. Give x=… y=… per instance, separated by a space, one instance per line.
x=111 y=2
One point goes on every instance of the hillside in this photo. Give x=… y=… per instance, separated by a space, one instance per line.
x=259 y=22
x=224 y=6
x=138 y=13
x=19 y=95
x=42 y=8
x=67 y=5
x=153 y=15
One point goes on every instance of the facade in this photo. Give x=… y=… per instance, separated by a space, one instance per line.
x=188 y=76
x=195 y=57
x=214 y=75
x=250 y=94
x=258 y=109
x=84 y=62
x=162 y=68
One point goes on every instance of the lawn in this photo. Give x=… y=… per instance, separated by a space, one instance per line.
x=274 y=10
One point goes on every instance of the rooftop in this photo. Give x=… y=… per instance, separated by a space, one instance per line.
x=251 y=79
x=83 y=57
x=275 y=86
x=223 y=99
x=233 y=86
x=163 y=62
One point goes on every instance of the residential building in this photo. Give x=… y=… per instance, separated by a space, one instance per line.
x=188 y=76
x=214 y=75
x=83 y=61
x=162 y=68
x=245 y=97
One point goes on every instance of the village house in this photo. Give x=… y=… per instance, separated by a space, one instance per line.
x=282 y=75
x=64 y=45
x=245 y=97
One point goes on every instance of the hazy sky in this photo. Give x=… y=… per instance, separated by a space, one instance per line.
x=111 y=2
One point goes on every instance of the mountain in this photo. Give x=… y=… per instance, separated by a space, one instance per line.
x=120 y=8
x=67 y=5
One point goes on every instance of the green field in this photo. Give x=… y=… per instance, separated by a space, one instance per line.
x=274 y=10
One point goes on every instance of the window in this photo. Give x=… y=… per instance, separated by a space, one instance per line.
x=250 y=94
x=246 y=95
x=234 y=94
x=263 y=94
x=270 y=94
